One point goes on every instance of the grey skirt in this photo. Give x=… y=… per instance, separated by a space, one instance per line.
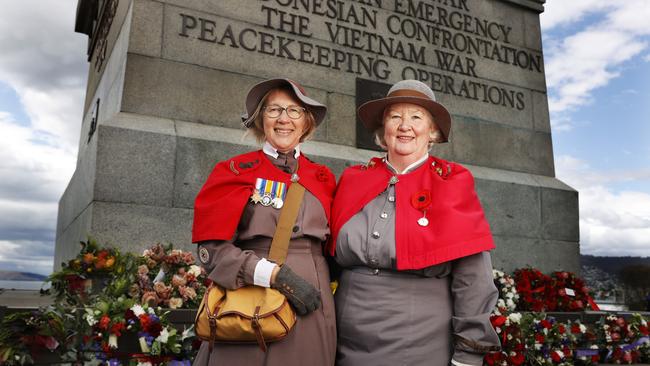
x=391 y=318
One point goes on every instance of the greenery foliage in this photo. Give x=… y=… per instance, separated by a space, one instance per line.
x=24 y=335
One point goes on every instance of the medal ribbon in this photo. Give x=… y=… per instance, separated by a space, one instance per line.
x=266 y=187
x=280 y=190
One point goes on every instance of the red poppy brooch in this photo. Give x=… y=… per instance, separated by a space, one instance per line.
x=421 y=200
x=321 y=174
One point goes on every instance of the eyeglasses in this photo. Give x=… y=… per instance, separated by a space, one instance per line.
x=293 y=111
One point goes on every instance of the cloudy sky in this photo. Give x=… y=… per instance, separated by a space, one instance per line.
x=598 y=72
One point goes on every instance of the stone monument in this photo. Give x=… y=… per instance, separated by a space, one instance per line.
x=166 y=87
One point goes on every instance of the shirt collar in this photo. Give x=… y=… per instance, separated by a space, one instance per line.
x=409 y=168
x=273 y=152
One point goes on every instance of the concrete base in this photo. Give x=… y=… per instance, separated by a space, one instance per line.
x=141 y=178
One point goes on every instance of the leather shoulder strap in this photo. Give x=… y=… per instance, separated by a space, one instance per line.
x=280 y=243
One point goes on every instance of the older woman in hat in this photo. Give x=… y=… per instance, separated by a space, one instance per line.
x=235 y=218
x=410 y=235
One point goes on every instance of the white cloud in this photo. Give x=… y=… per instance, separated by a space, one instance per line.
x=593 y=55
x=611 y=223
x=44 y=62
x=558 y=13
x=562 y=123
x=581 y=67
x=629 y=91
x=26 y=256
x=581 y=174
x=34 y=174
x=33 y=166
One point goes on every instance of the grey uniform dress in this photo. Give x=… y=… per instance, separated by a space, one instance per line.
x=416 y=317
x=231 y=264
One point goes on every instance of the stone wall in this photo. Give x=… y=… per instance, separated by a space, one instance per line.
x=172 y=83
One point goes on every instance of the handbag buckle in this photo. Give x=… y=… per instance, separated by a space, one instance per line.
x=212 y=319
x=258 y=329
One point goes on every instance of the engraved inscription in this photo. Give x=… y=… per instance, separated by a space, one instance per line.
x=440 y=42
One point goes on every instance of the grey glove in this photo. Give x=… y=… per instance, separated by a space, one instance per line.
x=301 y=294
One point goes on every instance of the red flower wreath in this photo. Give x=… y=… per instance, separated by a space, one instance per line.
x=567 y=292
x=532 y=286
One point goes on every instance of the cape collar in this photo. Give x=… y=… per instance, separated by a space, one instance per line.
x=457 y=225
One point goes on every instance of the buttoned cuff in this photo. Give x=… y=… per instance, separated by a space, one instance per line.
x=263 y=271
x=462 y=358
x=456 y=363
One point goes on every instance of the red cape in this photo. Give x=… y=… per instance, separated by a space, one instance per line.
x=457 y=225
x=221 y=201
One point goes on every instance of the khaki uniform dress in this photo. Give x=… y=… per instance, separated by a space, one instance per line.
x=231 y=264
x=415 y=317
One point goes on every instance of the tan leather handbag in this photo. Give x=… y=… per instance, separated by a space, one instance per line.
x=252 y=314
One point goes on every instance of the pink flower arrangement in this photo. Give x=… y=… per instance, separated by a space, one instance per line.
x=168 y=277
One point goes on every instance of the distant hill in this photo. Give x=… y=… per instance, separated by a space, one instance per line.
x=20 y=276
x=612 y=265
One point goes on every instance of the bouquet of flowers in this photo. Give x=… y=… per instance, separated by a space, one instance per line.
x=25 y=335
x=74 y=282
x=508 y=296
x=567 y=292
x=506 y=323
x=157 y=340
x=549 y=341
x=168 y=277
x=532 y=287
x=586 y=343
x=624 y=341
x=639 y=326
x=513 y=347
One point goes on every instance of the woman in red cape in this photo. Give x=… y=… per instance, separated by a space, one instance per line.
x=410 y=235
x=236 y=214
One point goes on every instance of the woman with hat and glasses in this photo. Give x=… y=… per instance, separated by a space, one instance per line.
x=235 y=218
x=410 y=235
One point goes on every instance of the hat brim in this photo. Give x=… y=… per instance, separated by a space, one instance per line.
x=371 y=113
x=258 y=91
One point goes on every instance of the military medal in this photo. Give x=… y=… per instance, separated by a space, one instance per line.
x=255 y=197
x=277 y=203
x=269 y=193
x=420 y=201
x=266 y=200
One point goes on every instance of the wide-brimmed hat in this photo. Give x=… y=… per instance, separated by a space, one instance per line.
x=258 y=91
x=406 y=91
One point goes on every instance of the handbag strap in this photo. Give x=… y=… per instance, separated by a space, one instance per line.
x=280 y=243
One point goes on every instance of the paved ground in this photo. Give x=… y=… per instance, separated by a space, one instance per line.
x=25 y=299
